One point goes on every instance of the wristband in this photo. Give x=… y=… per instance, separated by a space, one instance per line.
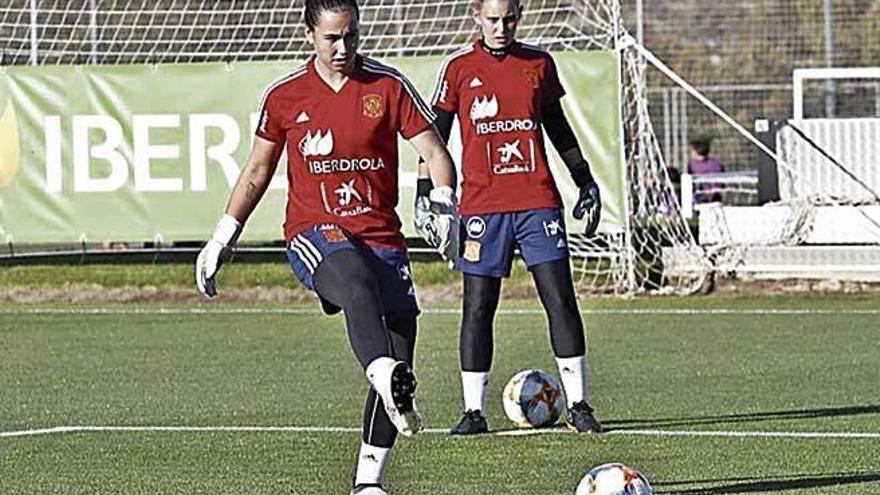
x=227 y=230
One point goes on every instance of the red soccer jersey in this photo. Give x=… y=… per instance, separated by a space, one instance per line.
x=342 y=147
x=498 y=104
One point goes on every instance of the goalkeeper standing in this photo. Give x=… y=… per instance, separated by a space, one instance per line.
x=504 y=94
x=338 y=117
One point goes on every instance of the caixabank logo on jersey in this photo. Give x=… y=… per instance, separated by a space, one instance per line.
x=509 y=158
x=350 y=196
x=515 y=155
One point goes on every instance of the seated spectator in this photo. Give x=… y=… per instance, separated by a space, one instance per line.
x=701 y=163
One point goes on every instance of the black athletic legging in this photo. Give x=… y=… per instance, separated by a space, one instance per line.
x=556 y=290
x=378 y=429
x=345 y=279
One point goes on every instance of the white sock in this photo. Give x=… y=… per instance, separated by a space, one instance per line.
x=475 y=386
x=573 y=372
x=372 y=462
x=379 y=367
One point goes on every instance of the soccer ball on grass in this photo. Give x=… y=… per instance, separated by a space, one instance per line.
x=533 y=398
x=614 y=479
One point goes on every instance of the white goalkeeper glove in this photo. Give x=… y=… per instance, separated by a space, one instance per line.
x=217 y=251
x=436 y=220
x=445 y=220
x=422 y=214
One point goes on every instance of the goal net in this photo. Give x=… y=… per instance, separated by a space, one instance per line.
x=178 y=31
x=655 y=251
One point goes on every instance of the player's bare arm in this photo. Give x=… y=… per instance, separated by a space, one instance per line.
x=254 y=179
x=436 y=215
x=438 y=164
x=248 y=191
x=443 y=127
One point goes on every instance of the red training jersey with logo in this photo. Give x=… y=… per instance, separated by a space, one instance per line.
x=341 y=147
x=498 y=103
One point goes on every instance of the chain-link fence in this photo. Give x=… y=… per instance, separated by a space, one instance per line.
x=741 y=54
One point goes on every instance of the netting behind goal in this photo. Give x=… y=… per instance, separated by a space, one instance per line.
x=655 y=250
x=174 y=31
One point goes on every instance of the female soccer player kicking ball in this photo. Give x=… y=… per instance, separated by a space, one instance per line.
x=338 y=117
x=504 y=93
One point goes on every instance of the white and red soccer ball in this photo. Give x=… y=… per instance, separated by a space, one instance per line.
x=614 y=479
x=533 y=398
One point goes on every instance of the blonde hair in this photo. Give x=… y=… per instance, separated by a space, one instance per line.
x=476 y=4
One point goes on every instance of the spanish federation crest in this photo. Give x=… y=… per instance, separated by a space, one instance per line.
x=532 y=78
x=472 y=250
x=373 y=106
x=333 y=236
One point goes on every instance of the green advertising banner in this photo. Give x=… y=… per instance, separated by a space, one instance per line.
x=146 y=153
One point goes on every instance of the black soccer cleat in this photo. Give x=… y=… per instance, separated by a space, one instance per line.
x=472 y=423
x=396 y=385
x=580 y=418
x=403 y=387
x=402 y=410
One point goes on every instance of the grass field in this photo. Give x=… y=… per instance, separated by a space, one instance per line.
x=760 y=395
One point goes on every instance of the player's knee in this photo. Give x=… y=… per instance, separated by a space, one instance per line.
x=360 y=291
x=403 y=324
x=561 y=305
x=480 y=311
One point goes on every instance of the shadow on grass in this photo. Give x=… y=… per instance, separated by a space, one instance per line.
x=769 y=485
x=830 y=412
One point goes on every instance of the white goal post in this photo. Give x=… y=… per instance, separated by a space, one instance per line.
x=801 y=76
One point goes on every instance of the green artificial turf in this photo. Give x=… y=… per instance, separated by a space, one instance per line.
x=653 y=372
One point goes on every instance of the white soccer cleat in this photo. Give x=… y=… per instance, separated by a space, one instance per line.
x=396 y=385
x=368 y=490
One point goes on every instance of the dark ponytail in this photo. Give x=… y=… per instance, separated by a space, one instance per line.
x=314 y=9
